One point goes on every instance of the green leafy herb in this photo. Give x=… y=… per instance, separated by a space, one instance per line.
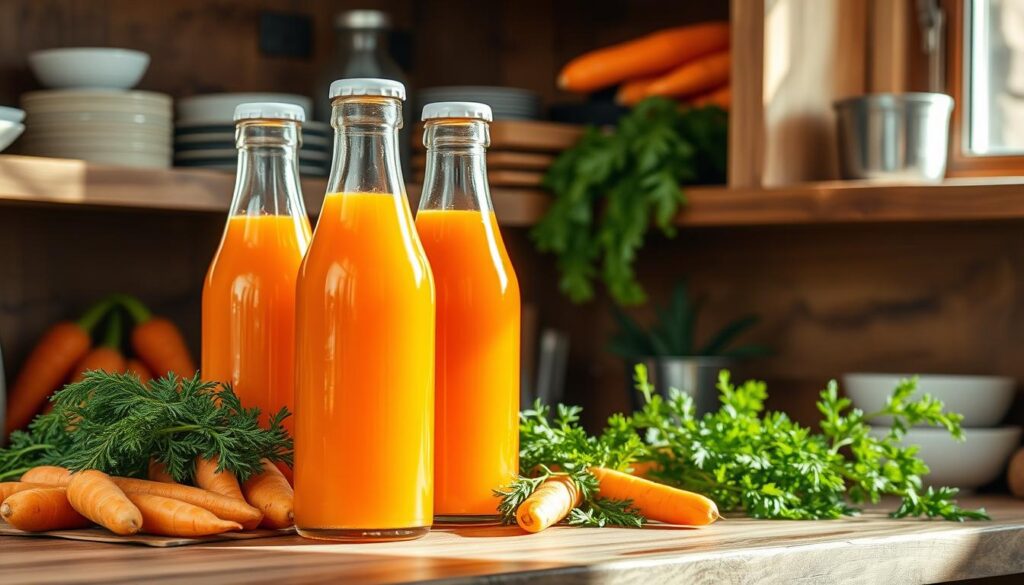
x=115 y=423
x=612 y=185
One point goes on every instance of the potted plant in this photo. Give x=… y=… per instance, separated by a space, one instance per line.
x=673 y=357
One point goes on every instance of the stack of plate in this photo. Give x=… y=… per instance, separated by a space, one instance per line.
x=507 y=103
x=204 y=133
x=131 y=128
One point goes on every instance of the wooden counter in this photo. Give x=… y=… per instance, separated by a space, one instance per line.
x=866 y=549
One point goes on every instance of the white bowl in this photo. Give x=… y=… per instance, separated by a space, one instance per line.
x=9 y=132
x=982 y=400
x=977 y=461
x=219 y=108
x=11 y=114
x=89 y=67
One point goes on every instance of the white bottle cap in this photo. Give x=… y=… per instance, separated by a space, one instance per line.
x=368 y=86
x=269 y=111
x=472 y=110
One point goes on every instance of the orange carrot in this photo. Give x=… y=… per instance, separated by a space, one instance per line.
x=656 y=501
x=140 y=370
x=49 y=365
x=157 y=472
x=271 y=493
x=106 y=356
x=634 y=90
x=721 y=97
x=221 y=506
x=9 y=488
x=42 y=509
x=47 y=475
x=548 y=504
x=695 y=77
x=642 y=468
x=170 y=517
x=95 y=495
x=218 y=482
x=648 y=55
x=157 y=342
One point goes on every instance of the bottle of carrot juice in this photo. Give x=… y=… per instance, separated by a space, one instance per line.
x=249 y=294
x=364 y=400
x=477 y=386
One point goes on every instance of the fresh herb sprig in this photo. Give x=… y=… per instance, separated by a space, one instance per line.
x=115 y=423
x=613 y=184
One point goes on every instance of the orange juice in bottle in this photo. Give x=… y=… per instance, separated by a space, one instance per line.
x=365 y=339
x=476 y=426
x=248 y=325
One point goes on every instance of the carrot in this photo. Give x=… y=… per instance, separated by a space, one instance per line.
x=107 y=356
x=157 y=342
x=656 y=501
x=695 y=77
x=648 y=55
x=548 y=504
x=170 y=517
x=157 y=472
x=223 y=482
x=271 y=493
x=9 y=488
x=95 y=495
x=49 y=365
x=643 y=468
x=42 y=509
x=634 y=90
x=47 y=475
x=221 y=506
x=721 y=97
x=140 y=370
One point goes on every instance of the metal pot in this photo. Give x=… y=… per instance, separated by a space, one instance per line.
x=697 y=376
x=894 y=137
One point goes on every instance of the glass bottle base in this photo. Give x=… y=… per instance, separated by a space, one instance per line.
x=364 y=534
x=452 y=520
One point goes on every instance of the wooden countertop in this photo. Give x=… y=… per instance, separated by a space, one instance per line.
x=867 y=549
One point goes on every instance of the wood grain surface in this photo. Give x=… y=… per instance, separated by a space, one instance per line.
x=867 y=549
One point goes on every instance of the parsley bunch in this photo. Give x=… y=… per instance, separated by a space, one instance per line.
x=115 y=423
x=612 y=185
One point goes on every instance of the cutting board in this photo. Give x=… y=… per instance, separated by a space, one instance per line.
x=102 y=535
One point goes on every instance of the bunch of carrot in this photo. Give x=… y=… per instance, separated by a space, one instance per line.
x=53 y=498
x=555 y=498
x=688 y=63
x=66 y=351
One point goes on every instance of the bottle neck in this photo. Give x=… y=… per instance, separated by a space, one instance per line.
x=366 y=40
x=267 y=179
x=456 y=172
x=366 y=145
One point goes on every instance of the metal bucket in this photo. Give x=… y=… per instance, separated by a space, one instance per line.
x=894 y=137
x=697 y=376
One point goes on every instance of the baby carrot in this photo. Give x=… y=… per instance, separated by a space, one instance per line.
x=271 y=493
x=656 y=501
x=222 y=506
x=548 y=504
x=9 y=488
x=95 y=495
x=218 y=482
x=170 y=517
x=42 y=509
x=47 y=475
x=157 y=472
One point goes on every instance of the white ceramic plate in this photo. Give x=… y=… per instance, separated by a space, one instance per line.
x=219 y=108
x=9 y=132
x=969 y=465
x=229 y=138
x=983 y=400
x=89 y=67
x=12 y=114
x=129 y=159
x=222 y=153
x=72 y=97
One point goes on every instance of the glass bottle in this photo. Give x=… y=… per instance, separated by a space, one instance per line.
x=365 y=322
x=248 y=324
x=476 y=425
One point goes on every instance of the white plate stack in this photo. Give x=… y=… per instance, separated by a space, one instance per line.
x=204 y=133
x=507 y=103
x=110 y=126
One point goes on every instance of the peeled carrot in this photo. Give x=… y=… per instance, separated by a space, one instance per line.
x=218 y=482
x=648 y=55
x=270 y=492
x=221 y=506
x=42 y=509
x=698 y=76
x=140 y=370
x=170 y=517
x=634 y=90
x=49 y=365
x=548 y=504
x=157 y=342
x=157 y=472
x=95 y=495
x=656 y=501
x=106 y=356
x=721 y=97
x=47 y=475
x=642 y=468
x=9 y=488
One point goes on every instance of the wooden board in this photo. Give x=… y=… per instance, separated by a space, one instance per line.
x=504 y=160
x=98 y=534
x=525 y=135
x=866 y=549
x=502 y=178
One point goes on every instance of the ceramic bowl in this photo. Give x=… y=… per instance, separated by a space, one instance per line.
x=88 y=67
x=8 y=114
x=9 y=132
x=983 y=400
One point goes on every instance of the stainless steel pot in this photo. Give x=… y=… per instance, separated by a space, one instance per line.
x=894 y=137
x=697 y=376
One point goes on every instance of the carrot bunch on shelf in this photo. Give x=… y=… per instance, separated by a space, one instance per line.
x=687 y=63
x=66 y=352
